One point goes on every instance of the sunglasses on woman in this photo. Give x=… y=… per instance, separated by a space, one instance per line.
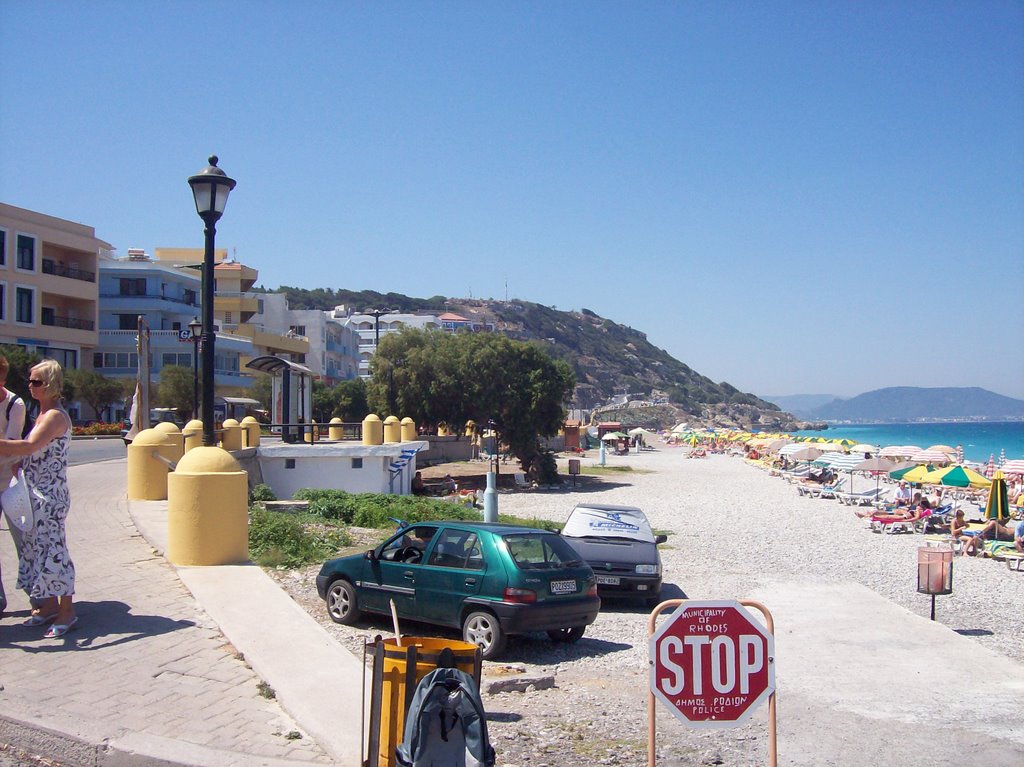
x=36 y=382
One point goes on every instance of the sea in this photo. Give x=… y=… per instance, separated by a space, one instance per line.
x=979 y=440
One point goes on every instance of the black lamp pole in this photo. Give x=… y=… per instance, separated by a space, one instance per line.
x=377 y=314
x=195 y=328
x=210 y=187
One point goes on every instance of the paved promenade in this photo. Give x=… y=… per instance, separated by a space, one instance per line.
x=147 y=676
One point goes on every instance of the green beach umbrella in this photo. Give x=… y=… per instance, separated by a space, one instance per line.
x=918 y=474
x=902 y=473
x=998 y=506
x=957 y=476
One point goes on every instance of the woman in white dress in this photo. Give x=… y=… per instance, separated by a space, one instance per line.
x=45 y=569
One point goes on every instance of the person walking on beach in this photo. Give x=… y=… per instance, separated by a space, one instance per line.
x=12 y=420
x=45 y=569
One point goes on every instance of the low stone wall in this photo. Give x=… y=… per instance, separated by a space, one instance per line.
x=446 y=450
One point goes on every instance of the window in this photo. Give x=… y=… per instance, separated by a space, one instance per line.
x=49 y=316
x=299 y=330
x=227 y=318
x=26 y=252
x=133 y=286
x=97 y=360
x=3 y=247
x=24 y=308
x=3 y=301
x=181 y=360
x=127 y=321
x=67 y=358
x=357 y=463
x=457 y=548
x=289 y=463
x=190 y=297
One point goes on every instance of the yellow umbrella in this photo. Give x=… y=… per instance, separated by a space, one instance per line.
x=917 y=476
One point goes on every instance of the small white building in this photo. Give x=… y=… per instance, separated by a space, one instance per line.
x=352 y=467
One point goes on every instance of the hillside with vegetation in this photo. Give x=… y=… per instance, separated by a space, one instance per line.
x=611 y=361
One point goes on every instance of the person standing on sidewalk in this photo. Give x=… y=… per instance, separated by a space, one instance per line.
x=12 y=420
x=45 y=568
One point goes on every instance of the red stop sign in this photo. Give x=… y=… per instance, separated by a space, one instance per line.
x=711 y=663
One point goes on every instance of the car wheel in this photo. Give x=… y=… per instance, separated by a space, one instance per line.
x=484 y=630
x=568 y=635
x=341 y=602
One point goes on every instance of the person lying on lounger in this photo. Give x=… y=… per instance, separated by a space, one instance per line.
x=996 y=531
x=908 y=514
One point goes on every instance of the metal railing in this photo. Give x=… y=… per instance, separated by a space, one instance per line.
x=175 y=299
x=69 y=322
x=52 y=267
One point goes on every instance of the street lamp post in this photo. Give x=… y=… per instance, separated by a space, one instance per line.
x=377 y=314
x=210 y=188
x=195 y=327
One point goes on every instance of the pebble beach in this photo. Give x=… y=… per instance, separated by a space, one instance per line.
x=863 y=676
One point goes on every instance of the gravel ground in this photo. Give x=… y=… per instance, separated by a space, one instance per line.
x=732 y=531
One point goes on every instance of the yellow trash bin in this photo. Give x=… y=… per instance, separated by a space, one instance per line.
x=396 y=672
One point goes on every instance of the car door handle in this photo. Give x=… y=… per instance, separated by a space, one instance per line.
x=409 y=575
x=470 y=581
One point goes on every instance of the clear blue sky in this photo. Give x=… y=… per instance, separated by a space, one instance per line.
x=795 y=197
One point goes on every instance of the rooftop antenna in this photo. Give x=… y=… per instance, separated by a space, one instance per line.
x=506 y=290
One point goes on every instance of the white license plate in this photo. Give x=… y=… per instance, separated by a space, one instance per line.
x=563 y=587
x=608 y=580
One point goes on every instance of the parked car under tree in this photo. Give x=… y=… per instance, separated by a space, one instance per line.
x=487 y=580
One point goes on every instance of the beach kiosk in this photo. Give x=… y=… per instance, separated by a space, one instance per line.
x=292 y=395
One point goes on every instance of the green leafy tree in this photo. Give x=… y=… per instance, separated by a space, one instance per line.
x=20 y=361
x=351 y=405
x=434 y=377
x=175 y=389
x=94 y=389
x=262 y=389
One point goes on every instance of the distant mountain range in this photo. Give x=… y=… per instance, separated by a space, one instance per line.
x=904 y=404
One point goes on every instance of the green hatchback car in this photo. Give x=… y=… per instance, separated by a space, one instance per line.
x=488 y=580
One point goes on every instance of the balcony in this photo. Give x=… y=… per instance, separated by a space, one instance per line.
x=49 y=266
x=152 y=297
x=73 y=323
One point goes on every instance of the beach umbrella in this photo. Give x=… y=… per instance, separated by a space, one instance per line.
x=776 y=445
x=898 y=451
x=944 y=449
x=844 y=461
x=877 y=465
x=957 y=476
x=830 y=447
x=787 y=451
x=929 y=456
x=917 y=474
x=998 y=506
x=959 y=453
x=1002 y=456
x=864 y=447
x=990 y=470
x=1014 y=466
x=806 y=454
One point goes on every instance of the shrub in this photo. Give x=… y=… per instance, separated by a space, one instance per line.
x=282 y=540
x=547 y=468
x=97 y=429
x=262 y=493
x=373 y=509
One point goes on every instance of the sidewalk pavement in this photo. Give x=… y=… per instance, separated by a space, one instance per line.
x=168 y=662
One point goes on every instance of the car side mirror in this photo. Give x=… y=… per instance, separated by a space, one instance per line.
x=371 y=555
x=660 y=538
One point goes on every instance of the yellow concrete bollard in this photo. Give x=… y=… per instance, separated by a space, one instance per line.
x=231 y=436
x=193 y=433
x=311 y=433
x=409 y=430
x=207 y=510
x=335 y=430
x=250 y=432
x=173 y=435
x=442 y=430
x=373 y=430
x=147 y=475
x=392 y=430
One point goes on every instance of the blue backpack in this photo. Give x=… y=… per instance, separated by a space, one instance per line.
x=446 y=724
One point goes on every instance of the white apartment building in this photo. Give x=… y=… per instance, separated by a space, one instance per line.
x=370 y=328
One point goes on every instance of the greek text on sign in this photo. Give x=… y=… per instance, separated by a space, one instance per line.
x=711 y=663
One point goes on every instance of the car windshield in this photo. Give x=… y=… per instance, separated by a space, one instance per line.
x=629 y=524
x=540 y=551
